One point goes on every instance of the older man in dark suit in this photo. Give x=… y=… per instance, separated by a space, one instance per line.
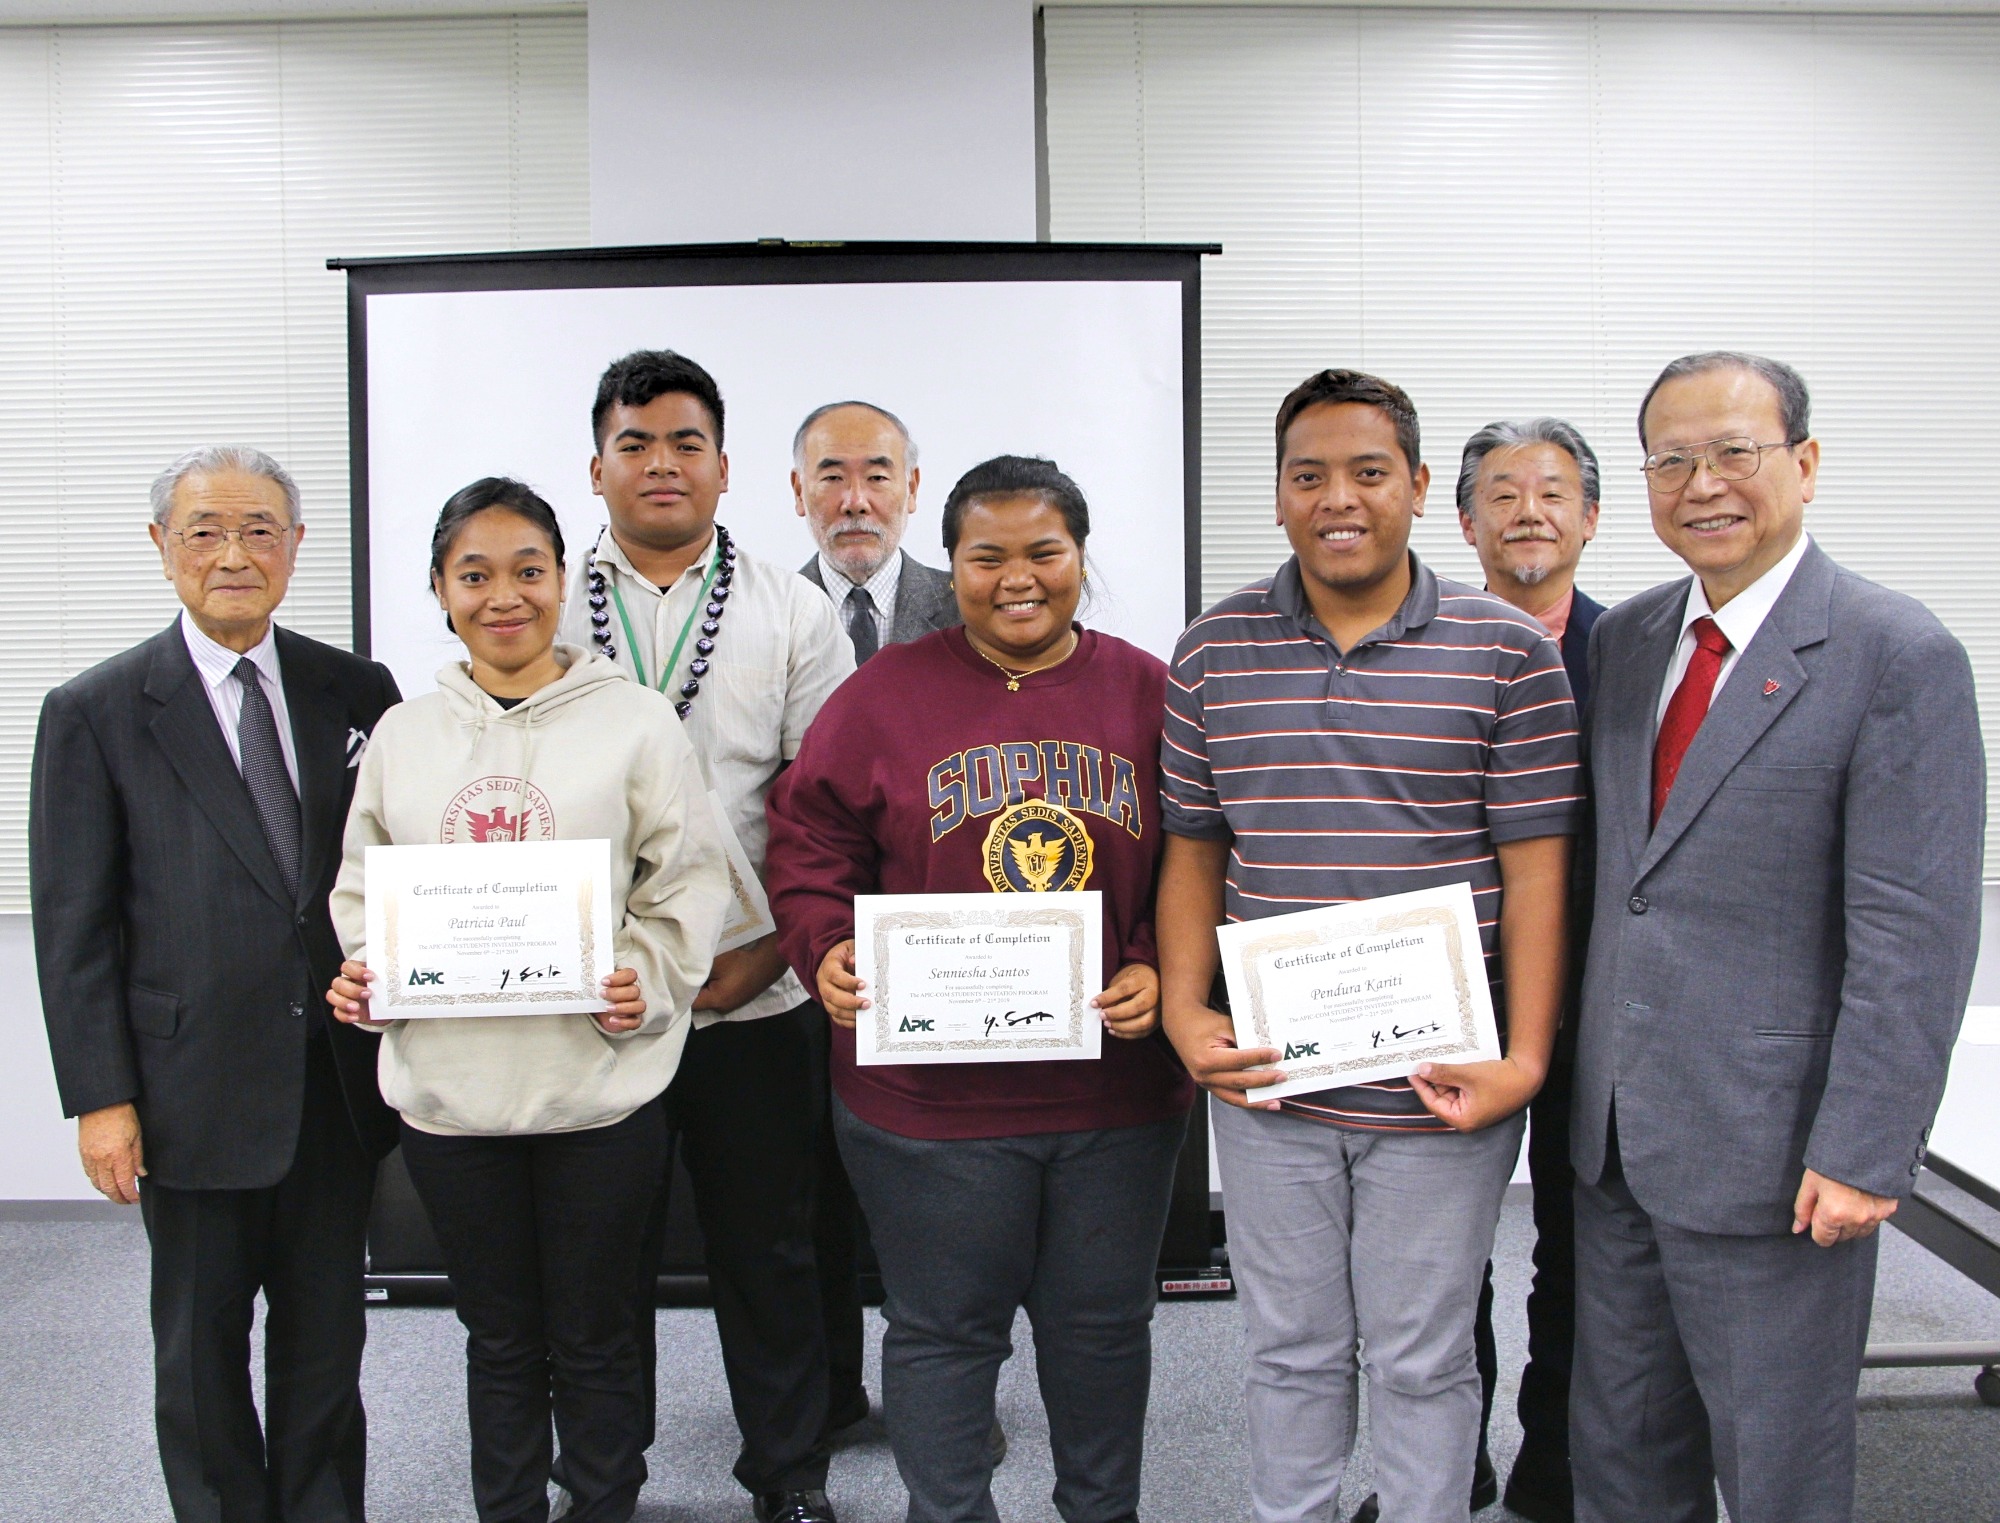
x=1790 y=810
x=185 y=822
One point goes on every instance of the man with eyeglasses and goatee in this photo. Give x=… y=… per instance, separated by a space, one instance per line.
x=1789 y=794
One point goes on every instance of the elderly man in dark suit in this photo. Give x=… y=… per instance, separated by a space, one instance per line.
x=1790 y=810
x=185 y=820
x=854 y=482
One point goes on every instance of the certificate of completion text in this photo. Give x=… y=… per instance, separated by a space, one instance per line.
x=1357 y=992
x=511 y=928
x=978 y=978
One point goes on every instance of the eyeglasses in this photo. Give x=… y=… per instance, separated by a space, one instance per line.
x=204 y=540
x=1731 y=459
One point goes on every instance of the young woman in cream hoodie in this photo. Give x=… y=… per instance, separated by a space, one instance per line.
x=535 y=1141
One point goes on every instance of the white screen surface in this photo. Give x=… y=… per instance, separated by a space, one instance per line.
x=465 y=384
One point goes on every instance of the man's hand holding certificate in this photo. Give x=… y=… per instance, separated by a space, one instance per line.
x=1358 y=992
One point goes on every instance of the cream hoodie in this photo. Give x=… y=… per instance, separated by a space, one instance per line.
x=590 y=755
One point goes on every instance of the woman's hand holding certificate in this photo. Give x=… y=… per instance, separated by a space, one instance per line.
x=980 y=978
x=522 y=928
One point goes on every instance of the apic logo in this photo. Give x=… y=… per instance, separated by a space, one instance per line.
x=909 y=1023
x=425 y=976
x=1300 y=1050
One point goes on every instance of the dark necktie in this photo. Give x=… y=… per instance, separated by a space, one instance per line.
x=861 y=624
x=263 y=761
x=1686 y=709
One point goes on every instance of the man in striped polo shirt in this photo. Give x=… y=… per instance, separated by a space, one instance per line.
x=1350 y=727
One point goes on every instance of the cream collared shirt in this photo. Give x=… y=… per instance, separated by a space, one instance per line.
x=779 y=652
x=1739 y=620
x=216 y=664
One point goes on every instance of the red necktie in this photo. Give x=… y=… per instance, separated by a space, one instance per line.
x=1686 y=709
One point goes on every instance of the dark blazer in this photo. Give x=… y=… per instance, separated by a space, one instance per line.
x=175 y=970
x=1777 y=973
x=1584 y=611
x=924 y=599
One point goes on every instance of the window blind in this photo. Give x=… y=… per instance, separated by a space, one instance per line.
x=171 y=195
x=1514 y=213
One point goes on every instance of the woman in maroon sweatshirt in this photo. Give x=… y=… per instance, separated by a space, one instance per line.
x=992 y=1186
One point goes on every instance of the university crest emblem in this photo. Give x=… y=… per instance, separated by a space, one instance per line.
x=1036 y=847
x=498 y=809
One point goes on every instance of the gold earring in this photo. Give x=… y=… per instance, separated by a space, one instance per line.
x=950 y=585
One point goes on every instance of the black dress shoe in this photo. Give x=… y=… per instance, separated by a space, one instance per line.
x=1539 y=1504
x=793 y=1507
x=1485 y=1491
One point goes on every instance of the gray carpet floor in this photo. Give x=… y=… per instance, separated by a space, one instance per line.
x=76 y=1429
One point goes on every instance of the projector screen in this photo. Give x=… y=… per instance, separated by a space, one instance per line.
x=487 y=365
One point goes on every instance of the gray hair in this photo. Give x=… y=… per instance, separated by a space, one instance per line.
x=1794 y=403
x=901 y=428
x=1505 y=435
x=211 y=458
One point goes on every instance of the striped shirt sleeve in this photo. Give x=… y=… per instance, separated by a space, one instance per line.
x=1189 y=805
x=1533 y=781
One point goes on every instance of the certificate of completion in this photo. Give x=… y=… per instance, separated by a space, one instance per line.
x=510 y=928
x=1363 y=991
x=748 y=916
x=978 y=978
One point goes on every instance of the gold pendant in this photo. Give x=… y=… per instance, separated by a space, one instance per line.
x=1013 y=684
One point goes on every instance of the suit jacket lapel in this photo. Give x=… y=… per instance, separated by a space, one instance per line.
x=192 y=741
x=319 y=740
x=1765 y=681
x=1622 y=717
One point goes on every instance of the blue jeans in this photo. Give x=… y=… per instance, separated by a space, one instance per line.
x=1068 y=1225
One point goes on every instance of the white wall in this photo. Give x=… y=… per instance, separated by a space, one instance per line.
x=798 y=119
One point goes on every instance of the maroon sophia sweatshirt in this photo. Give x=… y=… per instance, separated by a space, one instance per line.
x=895 y=790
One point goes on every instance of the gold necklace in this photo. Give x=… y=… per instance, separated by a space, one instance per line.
x=1014 y=677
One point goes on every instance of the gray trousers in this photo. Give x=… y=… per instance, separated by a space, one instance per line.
x=1701 y=1357
x=1338 y=1237
x=1066 y=1224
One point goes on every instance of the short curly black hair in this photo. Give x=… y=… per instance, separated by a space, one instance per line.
x=645 y=374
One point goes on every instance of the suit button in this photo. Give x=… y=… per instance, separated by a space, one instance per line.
x=1636 y=904
x=298 y=1011
x=299 y=921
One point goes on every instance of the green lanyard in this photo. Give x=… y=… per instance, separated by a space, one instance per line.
x=694 y=614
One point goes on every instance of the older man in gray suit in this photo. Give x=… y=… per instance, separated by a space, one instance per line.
x=854 y=482
x=1790 y=804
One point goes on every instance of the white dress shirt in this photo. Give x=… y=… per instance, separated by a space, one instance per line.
x=882 y=587
x=779 y=651
x=217 y=666
x=1739 y=620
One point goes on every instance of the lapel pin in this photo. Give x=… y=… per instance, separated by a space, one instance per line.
x=1770 y=686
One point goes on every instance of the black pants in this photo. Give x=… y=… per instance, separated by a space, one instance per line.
x=300 y=1242
x=746 y=1108
x=541 y=1238
x=1541 y=1470
x=837 y=1236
